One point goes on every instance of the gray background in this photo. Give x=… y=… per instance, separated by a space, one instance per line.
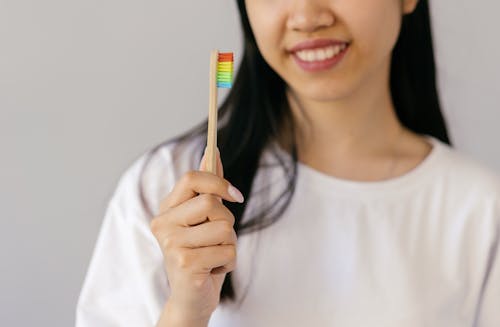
x=86 y=86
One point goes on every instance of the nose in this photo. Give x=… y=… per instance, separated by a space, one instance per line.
x=309 y=16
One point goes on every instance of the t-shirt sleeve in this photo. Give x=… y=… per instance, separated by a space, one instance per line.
x=126 y=283
x=489 y=305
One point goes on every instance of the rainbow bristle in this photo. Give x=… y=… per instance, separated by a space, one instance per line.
x=225 y=70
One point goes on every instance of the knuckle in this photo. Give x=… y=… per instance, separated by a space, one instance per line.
x=231 y=219
x=227 y=229
x=167 y=243
x=234 y=237
x=158 y=223
x=189 y=178
x=207 y=201
x=230 y=252
x=183 y=259
x=155 y=225
x=198 y=283
x=230 y=266
x=165 y=204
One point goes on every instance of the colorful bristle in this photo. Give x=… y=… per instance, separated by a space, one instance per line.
x=225 y=70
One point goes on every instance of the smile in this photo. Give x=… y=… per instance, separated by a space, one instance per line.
x=320 y=58
x=321 y=53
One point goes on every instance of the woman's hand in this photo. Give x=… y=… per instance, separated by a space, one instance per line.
x=195 y=232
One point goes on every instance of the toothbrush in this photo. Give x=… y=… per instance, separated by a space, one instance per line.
x=221 y=76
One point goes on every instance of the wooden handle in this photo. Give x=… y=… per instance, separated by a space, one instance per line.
x=211 y=159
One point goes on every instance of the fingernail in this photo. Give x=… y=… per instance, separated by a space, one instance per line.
x=235 y=194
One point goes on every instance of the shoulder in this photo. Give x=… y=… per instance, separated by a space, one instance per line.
x=467 y=170
x=153 y=174
x=462 y=174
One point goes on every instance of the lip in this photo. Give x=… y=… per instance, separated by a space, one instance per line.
x=318 y=66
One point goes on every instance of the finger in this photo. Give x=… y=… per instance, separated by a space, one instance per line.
x=196 y=210
x=196 y=182
x=206 y=258
x=224 y=269
x=212 y=233
x=209 y=234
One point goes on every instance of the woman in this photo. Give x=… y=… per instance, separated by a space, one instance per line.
x=354 y=211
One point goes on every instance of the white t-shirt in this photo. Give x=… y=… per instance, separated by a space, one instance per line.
x=417 y=250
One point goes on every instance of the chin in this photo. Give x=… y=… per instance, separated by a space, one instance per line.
x=324 y=93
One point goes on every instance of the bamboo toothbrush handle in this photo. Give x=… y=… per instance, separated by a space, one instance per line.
x=211 y=163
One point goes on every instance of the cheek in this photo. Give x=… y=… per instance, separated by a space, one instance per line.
x=267 y=25
x=376 y=28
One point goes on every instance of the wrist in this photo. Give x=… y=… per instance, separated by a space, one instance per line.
x=174 y=317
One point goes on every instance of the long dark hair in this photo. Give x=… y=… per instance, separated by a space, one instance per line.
x=256 y=109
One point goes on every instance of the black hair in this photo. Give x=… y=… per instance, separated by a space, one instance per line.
x=256 y=109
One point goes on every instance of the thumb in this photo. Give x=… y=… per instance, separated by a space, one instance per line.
x=203 y=162
x=220 y=168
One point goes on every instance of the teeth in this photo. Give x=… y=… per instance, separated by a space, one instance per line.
x=320 y=54
x=311 y=55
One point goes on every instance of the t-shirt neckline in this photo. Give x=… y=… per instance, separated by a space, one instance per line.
x=307 y=175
